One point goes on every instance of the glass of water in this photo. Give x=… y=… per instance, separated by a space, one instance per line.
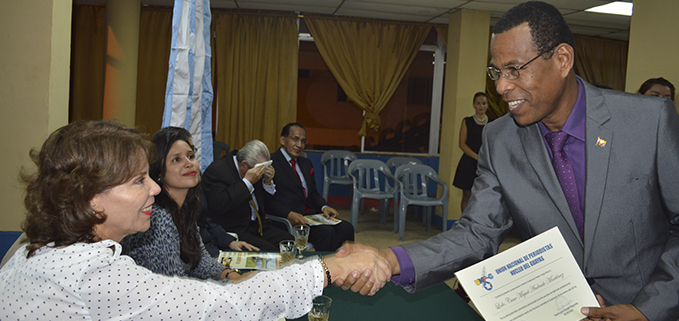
x=320 y=311
x=287 y=248
x=301 y=238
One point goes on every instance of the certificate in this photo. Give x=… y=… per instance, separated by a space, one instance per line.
x=537 y=279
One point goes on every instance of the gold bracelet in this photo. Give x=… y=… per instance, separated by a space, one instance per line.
x=327 y=271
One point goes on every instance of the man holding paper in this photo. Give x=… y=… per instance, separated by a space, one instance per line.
x=297 y=194
x=236 y=188
x=612 y=195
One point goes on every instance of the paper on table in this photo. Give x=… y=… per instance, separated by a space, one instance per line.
x=267 y=163
x=250 y=260
x=537 y=279
x=319 y=219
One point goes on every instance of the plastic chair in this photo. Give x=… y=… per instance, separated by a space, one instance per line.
x=370 y=178
x=288 y=226
x=414 y=182
x=397 y=161
x=335 y=169
x=218 y=147
x=282 y=220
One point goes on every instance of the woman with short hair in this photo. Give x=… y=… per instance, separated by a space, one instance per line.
x=91 y=189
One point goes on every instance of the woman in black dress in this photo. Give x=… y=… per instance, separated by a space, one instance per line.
x=470 y=142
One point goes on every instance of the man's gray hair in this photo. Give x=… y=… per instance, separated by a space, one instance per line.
x=253 y=152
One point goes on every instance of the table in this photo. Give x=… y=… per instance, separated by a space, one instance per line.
x=392 y=302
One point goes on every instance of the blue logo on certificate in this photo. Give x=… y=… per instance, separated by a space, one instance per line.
x=483 y=280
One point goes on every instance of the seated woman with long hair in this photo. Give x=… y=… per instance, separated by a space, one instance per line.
x=172 y=245
x=91 y=189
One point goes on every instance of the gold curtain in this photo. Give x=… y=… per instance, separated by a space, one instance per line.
x=442 y=30
x=601 y=61
x=88 y=47
x=155 y=38
x=256 y=59
x=497 y=106
x=367 y=58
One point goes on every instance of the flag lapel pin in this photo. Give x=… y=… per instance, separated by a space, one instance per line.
x=600 y=142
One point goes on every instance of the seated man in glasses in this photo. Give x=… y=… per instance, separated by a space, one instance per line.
x=296 y=194
x=601 y=165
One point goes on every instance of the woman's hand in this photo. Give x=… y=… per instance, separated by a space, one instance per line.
x=235 y=276
x=241 y=246
x=360 y=268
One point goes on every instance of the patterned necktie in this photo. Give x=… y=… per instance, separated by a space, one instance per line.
x=564 y=172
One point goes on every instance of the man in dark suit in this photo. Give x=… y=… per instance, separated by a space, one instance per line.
x=617 y=205
x=236 y=190
x=296 y=194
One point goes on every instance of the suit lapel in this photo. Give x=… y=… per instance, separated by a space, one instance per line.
x=235 y=176
x=598 y=143
x=289 y=173
x=306 y=170
x=538 y=157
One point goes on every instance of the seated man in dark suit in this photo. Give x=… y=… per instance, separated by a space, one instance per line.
x=235 y=191
x=297 y=195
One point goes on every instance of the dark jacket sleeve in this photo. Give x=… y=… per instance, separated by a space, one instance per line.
x=314 y=199
x=227 y=195
x=214 y=236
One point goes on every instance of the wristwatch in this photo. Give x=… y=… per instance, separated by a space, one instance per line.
x=232 y=270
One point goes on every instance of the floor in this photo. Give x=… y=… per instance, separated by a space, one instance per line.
x=370 y=232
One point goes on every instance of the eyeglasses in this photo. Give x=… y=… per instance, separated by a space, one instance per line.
x=296 y=139
x=512 y=73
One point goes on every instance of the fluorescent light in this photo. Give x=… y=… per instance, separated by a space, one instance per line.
x=617 y=7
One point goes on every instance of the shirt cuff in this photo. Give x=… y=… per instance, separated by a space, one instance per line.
x=407 y=276
x=249 y=185
x=271 y=189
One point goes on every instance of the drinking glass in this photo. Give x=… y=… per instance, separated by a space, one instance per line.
x=301 y=238
x=321 y=309
x=287 y=248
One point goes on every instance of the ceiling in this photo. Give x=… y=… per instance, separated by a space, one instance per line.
x=433 y=11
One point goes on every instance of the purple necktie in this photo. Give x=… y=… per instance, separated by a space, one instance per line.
x=564 y=172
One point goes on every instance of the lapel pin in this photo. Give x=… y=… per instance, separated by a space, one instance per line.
x=600 y=142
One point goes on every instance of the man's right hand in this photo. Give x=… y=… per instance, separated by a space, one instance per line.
x=387 y=263
x=296 y=218
x=242 y=246
x=254 y=174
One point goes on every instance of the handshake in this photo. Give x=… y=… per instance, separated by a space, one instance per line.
x=362 y=268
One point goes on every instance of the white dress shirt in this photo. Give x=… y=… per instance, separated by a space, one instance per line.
x=93 y=282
